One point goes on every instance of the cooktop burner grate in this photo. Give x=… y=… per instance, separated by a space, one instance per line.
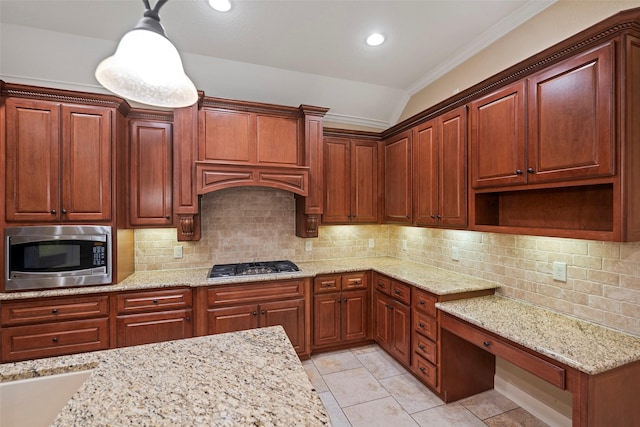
x=251 y=268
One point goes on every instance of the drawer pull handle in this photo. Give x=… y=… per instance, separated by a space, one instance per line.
x=55 y=339
x=54 y=311
x=421 y=325
x=486 y=343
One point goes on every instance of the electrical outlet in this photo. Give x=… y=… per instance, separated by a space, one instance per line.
x=177 y=251
x=372 y=243
x=455 y=254
x=404 y=245
x=308 y=245
x=560 y=271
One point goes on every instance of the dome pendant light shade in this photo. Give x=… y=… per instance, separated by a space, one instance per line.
x=147 y=68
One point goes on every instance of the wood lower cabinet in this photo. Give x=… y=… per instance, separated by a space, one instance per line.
x=340 y=309
x=58 y=162
x=232 y=308
x=153 y=316
x=425 y=337
x=33 y=329
x=392 y=323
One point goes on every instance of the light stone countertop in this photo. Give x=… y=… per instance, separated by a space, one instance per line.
x=435 y=280
x=582 y=345
x=243 y=378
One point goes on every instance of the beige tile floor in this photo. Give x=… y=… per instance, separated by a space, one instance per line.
x=364 y=386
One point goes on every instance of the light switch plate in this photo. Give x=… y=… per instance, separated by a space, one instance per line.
x=177 y=251
x=560 y=271
x=308 y=245
x=455 y=254
x=404 y=244
x=372 y=243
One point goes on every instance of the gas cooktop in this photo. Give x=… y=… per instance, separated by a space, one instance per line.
x=250 y=268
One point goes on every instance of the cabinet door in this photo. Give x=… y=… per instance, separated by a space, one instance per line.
x=497 y=138
x=277 y=140
x=33 y=160
x=355 y=319
x=401 y=332
x=425 y=162
x=364 y=181
x=571 y=107
x=86 y=163
x=226 y=135
x=326 y=319
x=136 y=329
x=150 y=179
x=382 y=320
x=397 y=179
x=288 y=314
x=232 y=319
x=452 y=162
x=337 y=191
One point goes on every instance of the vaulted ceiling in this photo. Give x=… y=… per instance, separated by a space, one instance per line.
x=287 y=52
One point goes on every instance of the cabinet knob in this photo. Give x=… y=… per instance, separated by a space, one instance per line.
x=380 y=285
x=422 y=369
x=421 y=347
x=255 y=313
x=155 y=301
x=54 y=311
x=168 y=217
x=53 y=211
x=187 y=319
x=262 y=312
x=344 y=300
x=421 y=325
x=433 y=217
x=64 y=211
x=439 y=216
x=397 y=292
x=486 y=343
x=54 y=339
x=421 y=302
x=518 y=172
x=530 y=170
x=339 y=300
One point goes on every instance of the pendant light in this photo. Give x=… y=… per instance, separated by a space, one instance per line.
x=146 y=66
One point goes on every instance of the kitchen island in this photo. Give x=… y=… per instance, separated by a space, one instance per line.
x=243 y=378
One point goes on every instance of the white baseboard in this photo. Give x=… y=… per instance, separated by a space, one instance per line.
x=539 y=409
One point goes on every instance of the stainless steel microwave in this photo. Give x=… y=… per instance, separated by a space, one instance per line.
x=57 y=256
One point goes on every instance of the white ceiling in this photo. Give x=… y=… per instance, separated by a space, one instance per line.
x=287 y=51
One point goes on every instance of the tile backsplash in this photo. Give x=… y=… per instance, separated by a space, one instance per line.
x=256 y=224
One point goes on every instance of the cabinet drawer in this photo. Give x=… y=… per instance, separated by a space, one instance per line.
x=155 y=300
x=425 y=302
x=383 y=284
x=426 y=348
x=354 y=281
x=527 y=361
x=326 y=283
x=268 y=291
x=426 y=325
x=53 y=309
x=425 y=371
x=54 y=339
x=146 y=328
x=401 y=292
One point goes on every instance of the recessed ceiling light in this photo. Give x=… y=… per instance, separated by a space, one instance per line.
x=375 y=39
x=220 y=5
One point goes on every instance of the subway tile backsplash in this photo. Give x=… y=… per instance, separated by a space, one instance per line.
x=256 y=224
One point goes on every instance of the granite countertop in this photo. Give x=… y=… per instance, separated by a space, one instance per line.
x=243 y=378
x=435 y=280
x=582 y=345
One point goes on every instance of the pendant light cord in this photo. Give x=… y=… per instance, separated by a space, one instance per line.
x=153 y=13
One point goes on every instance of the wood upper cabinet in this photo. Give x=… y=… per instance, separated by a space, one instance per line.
x=58 y=165
x=351 y=190
x=150 y=173
x=397 y=178
x=570 y=110
x=497 y=138
x=439 y=170
x=248 y=137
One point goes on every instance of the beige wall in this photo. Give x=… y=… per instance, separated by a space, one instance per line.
x=559 y=21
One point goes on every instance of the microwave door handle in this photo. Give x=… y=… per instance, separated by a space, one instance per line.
x=17 y=240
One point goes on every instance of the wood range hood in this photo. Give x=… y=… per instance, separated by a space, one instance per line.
x=221 y=143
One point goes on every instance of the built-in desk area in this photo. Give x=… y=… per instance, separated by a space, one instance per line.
x=599 y=366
